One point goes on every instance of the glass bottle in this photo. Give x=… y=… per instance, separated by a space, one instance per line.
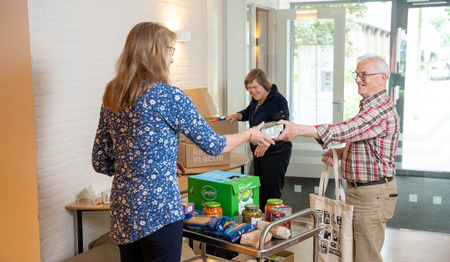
x=272 y=202
x=251 y=214
x=212 y=209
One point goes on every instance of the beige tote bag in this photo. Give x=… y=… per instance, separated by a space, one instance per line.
x=335 y=218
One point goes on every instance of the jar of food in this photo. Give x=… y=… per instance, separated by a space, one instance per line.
x=272 y=202
x=280 y=213
x=212 y=209
x=251 y=214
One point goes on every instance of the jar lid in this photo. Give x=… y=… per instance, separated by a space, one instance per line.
x=274 y=201
x=252 y=206
x=212 y=204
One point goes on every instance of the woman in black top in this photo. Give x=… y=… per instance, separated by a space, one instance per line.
x=270 y=163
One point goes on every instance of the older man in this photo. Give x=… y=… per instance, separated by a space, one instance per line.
x=367 y=160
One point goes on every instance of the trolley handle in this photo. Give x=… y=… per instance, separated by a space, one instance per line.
x=304 y=212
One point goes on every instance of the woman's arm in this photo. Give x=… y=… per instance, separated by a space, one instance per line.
x=234 y=117
x=102 y=153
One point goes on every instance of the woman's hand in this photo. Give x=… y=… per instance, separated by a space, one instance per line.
x=258 y=138
x=180 y=169
x=260 y=151
x=234 y=117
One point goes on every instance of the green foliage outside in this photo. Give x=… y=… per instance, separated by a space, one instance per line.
x=440 y=22
x=320 y=32
x=352 y=110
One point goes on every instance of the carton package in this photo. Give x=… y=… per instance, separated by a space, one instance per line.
x=232 y=190
x=188 y=208
x=271 y=129
x=192 y=156
x=284 y=256
x=205 y=105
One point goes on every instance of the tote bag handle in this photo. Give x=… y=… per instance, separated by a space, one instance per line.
x=339 y=191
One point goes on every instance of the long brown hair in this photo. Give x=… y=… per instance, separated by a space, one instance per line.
x=144 y=57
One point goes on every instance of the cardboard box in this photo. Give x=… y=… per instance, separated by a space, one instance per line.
x=183 y=186
x=284 y=256
x=186 y=251
x=192 y=156
x=205 y=105
x=232 y=190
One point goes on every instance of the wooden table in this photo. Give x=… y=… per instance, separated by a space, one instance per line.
x=85 y=205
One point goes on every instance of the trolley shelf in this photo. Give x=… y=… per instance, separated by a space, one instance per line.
x=299 y=234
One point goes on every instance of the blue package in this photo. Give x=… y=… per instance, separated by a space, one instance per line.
x=234 y=233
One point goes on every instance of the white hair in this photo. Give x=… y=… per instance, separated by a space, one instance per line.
x=380 y=63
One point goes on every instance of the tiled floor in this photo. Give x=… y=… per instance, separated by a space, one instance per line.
x=400 y=246
x=423 y=203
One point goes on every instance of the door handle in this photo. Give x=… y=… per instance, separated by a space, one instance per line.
x=339 y=105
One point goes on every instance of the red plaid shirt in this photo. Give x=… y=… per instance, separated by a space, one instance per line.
x=371 y=140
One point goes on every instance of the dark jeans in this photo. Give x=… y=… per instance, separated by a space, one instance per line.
x=164 y=245
x=271 y=170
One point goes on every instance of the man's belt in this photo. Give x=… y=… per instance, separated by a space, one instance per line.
x=371 y=183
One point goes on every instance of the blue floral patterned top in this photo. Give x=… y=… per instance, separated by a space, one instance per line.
x=139 y=148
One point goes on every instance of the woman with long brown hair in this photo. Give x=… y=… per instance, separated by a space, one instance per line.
x=136 y=142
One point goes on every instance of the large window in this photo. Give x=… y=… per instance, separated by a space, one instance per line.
x=414 y=38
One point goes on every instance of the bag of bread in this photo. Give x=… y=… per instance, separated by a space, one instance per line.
x=280 y=232
x=252 y=238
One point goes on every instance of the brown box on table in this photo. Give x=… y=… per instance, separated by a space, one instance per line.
x=192 y=156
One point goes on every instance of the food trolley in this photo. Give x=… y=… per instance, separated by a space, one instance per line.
x=299 y=234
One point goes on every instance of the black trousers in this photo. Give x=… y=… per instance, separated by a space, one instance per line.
x=271 y=170
x=164 y=245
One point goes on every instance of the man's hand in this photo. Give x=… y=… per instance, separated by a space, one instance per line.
x=292 y=130
x=289 y=131
x=327 y=157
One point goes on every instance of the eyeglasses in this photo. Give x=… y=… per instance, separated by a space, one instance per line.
x=172 y=49
x=363 y=75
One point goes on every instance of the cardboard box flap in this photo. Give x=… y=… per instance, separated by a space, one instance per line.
x=217 y=176
x=203 y=101
x=244 y=183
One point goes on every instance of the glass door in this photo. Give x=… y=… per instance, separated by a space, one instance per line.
x=310 y=46
x=423 y=53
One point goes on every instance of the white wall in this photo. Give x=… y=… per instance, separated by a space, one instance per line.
x=74 y=47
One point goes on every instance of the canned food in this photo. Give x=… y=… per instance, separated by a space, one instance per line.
x=271 y=203
x=212 y=209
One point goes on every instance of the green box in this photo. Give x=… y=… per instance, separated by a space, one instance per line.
x=232 y=190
